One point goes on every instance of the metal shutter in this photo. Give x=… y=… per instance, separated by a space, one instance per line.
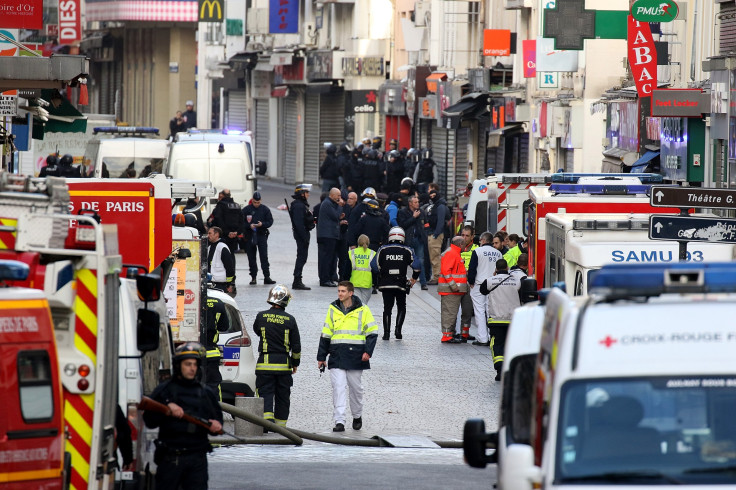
x=524 y=152
x=312 y=147
x=287 y=138
x=237 y=111
x=726 y=19
x=261 y=129
x=462 y=137
x=443 y=146
x=331 y=120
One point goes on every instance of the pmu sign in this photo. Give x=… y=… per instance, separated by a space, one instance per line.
x=655 y=10
x=692 y=229
x=693 y=197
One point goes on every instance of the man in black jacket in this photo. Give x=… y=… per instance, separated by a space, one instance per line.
x=182 y=447
x=302 y=222
x=328 y=236
x=329 y=170
x=437 y=215
x=279 y=355
x=412 y=220
x=258 y=220
x=228 y=216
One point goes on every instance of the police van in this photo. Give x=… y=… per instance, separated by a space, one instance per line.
x=580 y=243
x=635 y=384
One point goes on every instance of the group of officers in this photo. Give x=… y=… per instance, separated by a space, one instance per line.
x=368 y=165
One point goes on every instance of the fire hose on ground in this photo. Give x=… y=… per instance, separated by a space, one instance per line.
x=296 y=436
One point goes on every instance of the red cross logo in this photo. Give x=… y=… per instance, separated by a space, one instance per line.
x=608 y=341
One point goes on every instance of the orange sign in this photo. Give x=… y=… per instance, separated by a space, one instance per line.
x=496 y=42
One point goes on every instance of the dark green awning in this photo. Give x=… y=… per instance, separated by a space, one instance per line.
x=70 y=120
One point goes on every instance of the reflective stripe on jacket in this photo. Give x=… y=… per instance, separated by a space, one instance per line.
x=360 y=259
x=453 y=276
x=346 y=335
x=279 y=343
x=466 y=253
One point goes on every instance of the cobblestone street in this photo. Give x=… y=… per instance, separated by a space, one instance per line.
x=415 y=386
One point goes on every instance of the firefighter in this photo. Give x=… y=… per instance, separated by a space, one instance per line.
x=466 y=306
x=302 y=222
x=182 y=447
x=216 y=323
x=453 y=285
x=228 y=216
x=391 y=263
x=279 y=350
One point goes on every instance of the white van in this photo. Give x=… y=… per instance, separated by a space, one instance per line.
x=224 y=160
x=635 y=385
x=114 y=151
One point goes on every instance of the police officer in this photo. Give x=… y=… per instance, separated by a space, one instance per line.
x=391 y=262
x=216 y=323
x=329 y=171
x=354 y=173
x=66 y=169
x=374 y=224
x=302 y=222
x=182 y=447
x=372 y=169
x=52 y=167
x=228 y=216
x=394 y=171
x=279 y=355
x=424 y=171
x=258 y=220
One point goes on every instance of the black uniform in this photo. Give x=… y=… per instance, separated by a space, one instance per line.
x=394 y=174
x=50 y=170
x=375 y=225
x=355 y=172
x=391 y=262
x=372 y=173
x=182 y=447
x=279 y=336
x=256 y=239
x=229 y=217
x=302 y=222
x=216 y=322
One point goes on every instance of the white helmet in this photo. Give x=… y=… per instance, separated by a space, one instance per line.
x=396 y=234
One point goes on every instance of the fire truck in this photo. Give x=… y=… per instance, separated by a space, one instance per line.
x=80 y=281
x=32 y=423
x=496 y=203
x=582 y=193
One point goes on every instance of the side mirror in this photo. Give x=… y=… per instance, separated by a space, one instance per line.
x=147 y=330
x=149 y=287
x=519 y=470
x=183 y=253
x=475 y=442
x=250 y=177
x=528 y=291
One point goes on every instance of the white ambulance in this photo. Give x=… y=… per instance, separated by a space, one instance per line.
x=580 y=243
x=635 y=384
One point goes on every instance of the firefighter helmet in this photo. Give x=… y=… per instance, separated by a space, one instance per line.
x=396 y=234
x=371 y=203
x=369 y=192
x=302 y=188
x=190 y=350
x=279 y=296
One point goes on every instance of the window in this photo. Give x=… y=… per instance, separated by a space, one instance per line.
x=234 y=321
x=521 y=376
x=552 y=269
x=578 y=284
x=34 y=383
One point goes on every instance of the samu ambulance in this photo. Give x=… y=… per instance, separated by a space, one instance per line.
x=635 y=384
x=580 y=243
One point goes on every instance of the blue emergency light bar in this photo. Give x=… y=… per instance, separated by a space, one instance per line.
x=655 y=279
x=13 y=270
x=602 y=189
x=125 y=130
x=573 y=178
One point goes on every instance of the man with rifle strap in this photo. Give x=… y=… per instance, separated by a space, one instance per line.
x=183 y=444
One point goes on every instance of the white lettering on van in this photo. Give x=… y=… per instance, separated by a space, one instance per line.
x=23 y=455
x=124 y=207
x=18 y=324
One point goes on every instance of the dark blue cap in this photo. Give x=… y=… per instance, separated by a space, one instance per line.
x=256 y=196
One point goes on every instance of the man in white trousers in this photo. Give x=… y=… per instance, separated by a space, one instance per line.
x=349 y=337
x=482 y=266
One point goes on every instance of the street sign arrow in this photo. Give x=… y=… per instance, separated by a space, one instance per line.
x=692 y=229
x=693 y=197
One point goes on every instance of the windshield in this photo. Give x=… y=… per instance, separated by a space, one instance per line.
x=661 y=428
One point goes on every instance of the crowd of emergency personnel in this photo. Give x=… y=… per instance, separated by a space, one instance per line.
x=373 y=224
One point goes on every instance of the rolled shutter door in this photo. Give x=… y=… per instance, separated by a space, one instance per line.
x=237 y=111
x=312 y=146
x=261 y=129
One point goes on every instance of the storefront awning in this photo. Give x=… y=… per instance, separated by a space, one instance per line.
x=494 y=137
x=433 y=79
x=280 y=91
x=62 y=117
x=639 y=166
x=471 y=106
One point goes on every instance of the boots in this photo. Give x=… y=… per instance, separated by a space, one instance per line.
x=399 y=323
x=465 y=332
x=298 y=284
x=386 y=326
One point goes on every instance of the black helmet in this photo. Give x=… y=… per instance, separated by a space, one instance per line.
x=394 y=154
x=371 y=203
x=344 y=148
x=427 y=153
x=369 y=192
x=66 y=160
x=190 y=350
x=373 y=154
x=365 y=150
x=394 y=142
x=331 y=149
x=52 y=160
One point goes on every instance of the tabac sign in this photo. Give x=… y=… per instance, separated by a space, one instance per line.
x=655 y=10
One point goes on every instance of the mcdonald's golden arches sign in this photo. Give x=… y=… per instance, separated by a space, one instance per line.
x=211 y=10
